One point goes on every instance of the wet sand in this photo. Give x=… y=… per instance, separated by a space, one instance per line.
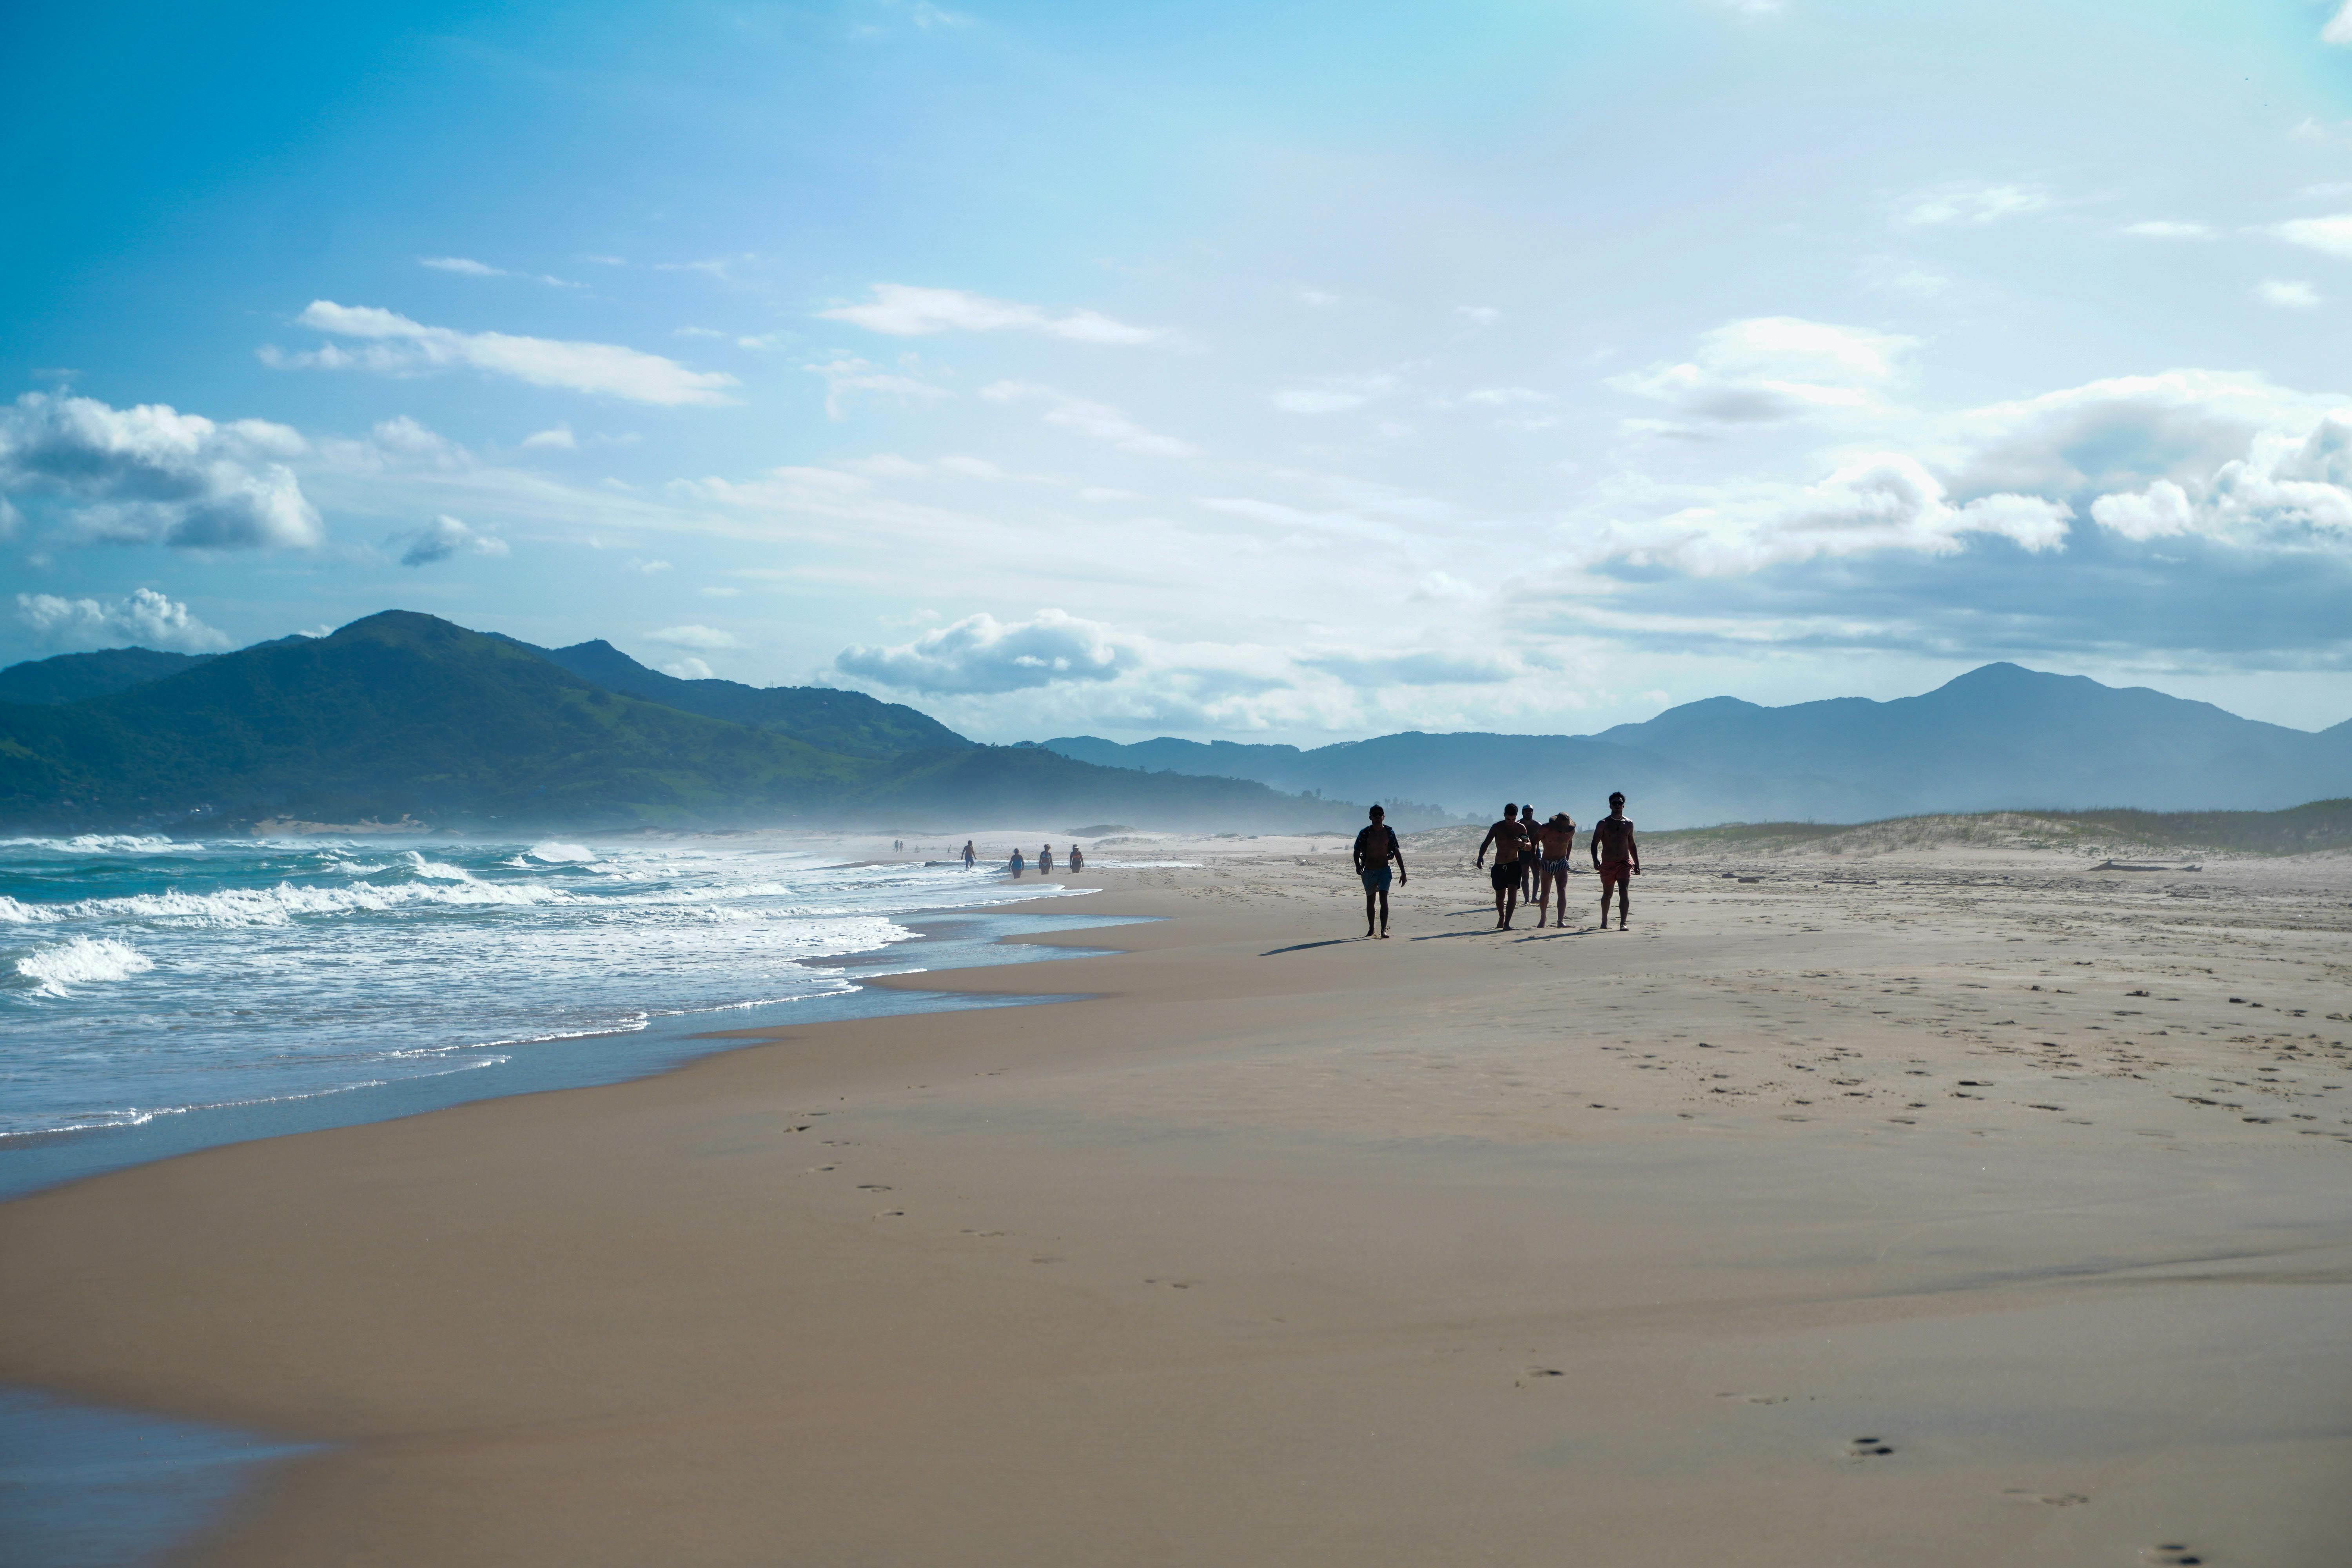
x=1938 y=1208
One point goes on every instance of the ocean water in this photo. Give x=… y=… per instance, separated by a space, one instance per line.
x=159 y=996
x=150 y=978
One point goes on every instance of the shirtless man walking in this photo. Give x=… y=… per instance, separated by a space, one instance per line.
x=1617 y=858
x=1376 y=846
x=1557 y=842
x=1507 y=837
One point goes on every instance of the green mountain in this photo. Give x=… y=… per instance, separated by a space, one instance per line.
x=404 y=714
x=1998 y=737
x=849 y=723
x=70 y=676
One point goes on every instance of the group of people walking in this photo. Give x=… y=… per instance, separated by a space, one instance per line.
x=1078 y=861
x=1531 y=863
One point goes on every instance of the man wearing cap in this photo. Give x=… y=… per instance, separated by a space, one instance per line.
x=1617 y=858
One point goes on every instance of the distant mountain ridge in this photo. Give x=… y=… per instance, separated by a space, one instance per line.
x=70 y=676
x=406 y=715
x=849 y=723
x=127 y=723
x=1999 y=738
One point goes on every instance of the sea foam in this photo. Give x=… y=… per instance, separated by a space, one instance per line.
x=83 y=961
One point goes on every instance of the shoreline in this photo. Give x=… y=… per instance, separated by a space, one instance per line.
x=32 y=1162
x=142 y=1484
x=1272 y=1244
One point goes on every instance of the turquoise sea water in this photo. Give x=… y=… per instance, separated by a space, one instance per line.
x=146 y=978
x=161 y=995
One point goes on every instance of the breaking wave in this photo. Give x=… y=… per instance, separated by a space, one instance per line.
x=80 y=960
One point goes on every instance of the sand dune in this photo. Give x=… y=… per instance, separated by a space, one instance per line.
x=1966 y=1206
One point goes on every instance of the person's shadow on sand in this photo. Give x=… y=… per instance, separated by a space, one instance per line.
x=1304 y=946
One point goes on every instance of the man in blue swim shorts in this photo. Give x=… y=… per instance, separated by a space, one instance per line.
x=1375 y=846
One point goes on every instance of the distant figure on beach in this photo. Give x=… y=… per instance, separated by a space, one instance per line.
x=1506 y=837
x=970 y=855
x=1020 y=866
x=1376 y=846
x=1530 y=858
x=1557 y=842
x=1046 y=861
x=1618 y=858
x=1077 y=860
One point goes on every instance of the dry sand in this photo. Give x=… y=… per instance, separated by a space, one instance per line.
x=1959 y=1216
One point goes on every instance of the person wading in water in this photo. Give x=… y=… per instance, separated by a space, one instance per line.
x=1617 y=858
x=1507 y=837
x=1376 y=846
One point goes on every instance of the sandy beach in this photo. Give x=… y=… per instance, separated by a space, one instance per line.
x=1919 y=1204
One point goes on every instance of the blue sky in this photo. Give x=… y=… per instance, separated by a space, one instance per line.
x=1278 y=372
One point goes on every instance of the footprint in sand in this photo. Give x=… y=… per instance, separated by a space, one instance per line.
x=1174 y=1284
x=2055 y=1499
x=1868 y=1448
x=1751 y=1398
x=872 y=1187
x=2170 y=1552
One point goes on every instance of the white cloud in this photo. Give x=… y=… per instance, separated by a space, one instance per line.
x=2118 y=432
x=397 y=345
x=2338 y=29
x=1099 y=420
x=443 y=537
x=2328 y=236
x=2286 y=294
x=901 y=311
x=708 y=639
x=153 y=475
x=981 y=654
x=1971 y=202
x=688 y=669
x=1478 y=315
x=1883 y=501
x=1415 y=669
x=466 y=266
x=1755 y=7
x=2284 y=485
x=645 y=568
x=2165 y=228
x=1505 y=396
x=1775 y=367
x=1334 y=394
x=557 y=436
x=145 y=618
x=1320 y=299
x=848 y=374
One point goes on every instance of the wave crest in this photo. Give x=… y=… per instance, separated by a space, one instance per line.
x=83 y=961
